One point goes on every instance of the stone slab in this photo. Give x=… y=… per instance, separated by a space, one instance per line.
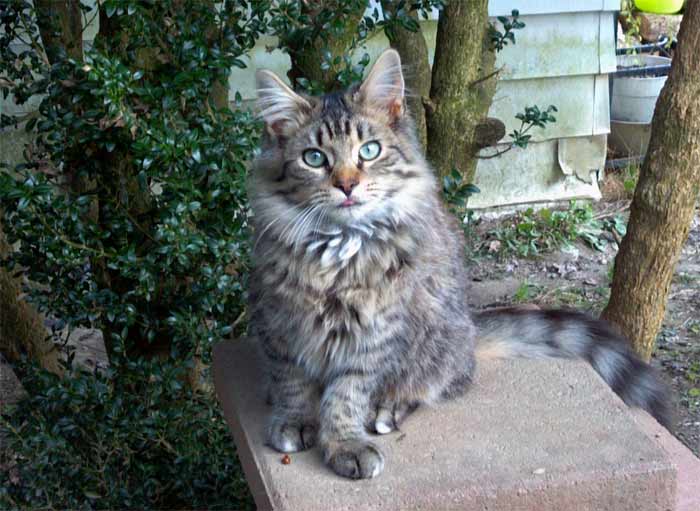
x=686 y=463
x=530 y=435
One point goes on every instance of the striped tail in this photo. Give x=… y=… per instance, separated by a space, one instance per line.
x=512 y=333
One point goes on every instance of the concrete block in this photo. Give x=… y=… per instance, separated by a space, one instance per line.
x=686 y=463
x=530 y=435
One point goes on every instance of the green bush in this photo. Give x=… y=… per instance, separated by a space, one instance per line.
x=112 y=440
x=130 y=217
x=131 y=211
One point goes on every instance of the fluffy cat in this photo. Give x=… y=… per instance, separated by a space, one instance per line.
x=358 y=295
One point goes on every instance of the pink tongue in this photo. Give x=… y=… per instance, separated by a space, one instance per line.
x=348 y=202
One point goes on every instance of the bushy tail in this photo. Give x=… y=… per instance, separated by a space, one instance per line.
x=511 y=333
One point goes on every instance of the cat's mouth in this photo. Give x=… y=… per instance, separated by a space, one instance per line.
x=348 y=203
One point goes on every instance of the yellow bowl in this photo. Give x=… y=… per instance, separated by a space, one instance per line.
x=659 y=6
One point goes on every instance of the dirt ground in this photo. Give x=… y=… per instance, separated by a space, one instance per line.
x=580 y=278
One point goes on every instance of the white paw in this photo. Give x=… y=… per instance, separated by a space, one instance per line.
x=384 y=423
x=288 y=446
x=382 y=428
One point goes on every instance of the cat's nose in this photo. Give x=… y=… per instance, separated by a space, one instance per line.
x=346 y=184
x=345 y=178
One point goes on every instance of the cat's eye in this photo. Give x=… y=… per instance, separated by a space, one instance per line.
x=314 y=158
x=370 y=150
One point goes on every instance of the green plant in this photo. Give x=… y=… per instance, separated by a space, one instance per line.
x=616 y=224
x=693 y=372
x=456 y=191
x=630 y=178
x=400 y=17
x=113 y=440
x=691 y=399
x=131 y=211
x=499 y=39
x=531 y=117
x=531 y=232
x=130 y=217
x=526 y=292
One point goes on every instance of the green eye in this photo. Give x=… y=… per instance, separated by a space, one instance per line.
x=314 y=158
x=370 y=150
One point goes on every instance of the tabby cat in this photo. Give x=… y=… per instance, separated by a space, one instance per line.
x=359 y=293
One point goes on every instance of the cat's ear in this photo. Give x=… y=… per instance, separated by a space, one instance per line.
x=384 y=86
x=279 y=106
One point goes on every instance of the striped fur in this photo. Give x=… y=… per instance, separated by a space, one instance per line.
x=358 y=297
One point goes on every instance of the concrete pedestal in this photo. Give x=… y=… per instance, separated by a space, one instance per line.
x=530 y=435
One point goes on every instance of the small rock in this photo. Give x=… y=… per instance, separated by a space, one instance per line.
x=539 y=471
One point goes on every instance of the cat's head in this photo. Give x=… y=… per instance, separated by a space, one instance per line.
x=344 y=159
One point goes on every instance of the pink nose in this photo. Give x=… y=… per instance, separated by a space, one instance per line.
x=346 y=185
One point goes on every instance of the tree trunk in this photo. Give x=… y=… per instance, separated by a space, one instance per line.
x=22 y=330
x=61 y=27
x=664 y=200
x=416 y=67
x=462 y=87
x=306 y=60
x=218 y=95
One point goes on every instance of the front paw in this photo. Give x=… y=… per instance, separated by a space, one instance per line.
x=290 y=436
x=355 y=459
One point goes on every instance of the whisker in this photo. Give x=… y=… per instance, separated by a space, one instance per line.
x=299 y=224
x=290 y=225
x=281 y=215
x=308 y=221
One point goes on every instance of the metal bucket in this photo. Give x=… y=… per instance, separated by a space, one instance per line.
x=634 y=97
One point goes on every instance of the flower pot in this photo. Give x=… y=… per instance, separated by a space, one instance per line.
x=634 y=97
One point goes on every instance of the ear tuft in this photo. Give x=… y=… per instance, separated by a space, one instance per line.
x=279 y=106
x=384 y=86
